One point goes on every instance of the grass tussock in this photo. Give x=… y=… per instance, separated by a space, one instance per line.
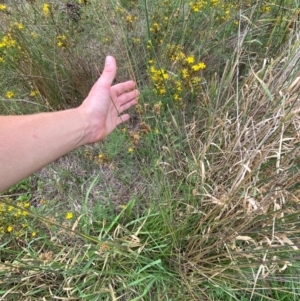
x=198 y=196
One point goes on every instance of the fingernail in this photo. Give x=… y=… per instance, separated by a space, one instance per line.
x=108 y=60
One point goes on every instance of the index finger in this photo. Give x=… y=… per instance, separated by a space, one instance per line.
x=123 y=87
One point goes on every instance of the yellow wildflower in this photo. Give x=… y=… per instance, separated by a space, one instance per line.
x=190 y=59
x=106 y=40
x=136 y=40
x=180 y=56
x=33 y=234
x=17 y=213
x=69 y=215
x=46 y=9
x=10 y=94
x=162 y=91
x=61 y=41
x=196 y=80
x=202 y=65
x=2 y=7
x=130 y=150
x=196 y=6
x=34 y=93
x=265 y=9
x=178 y=86
x=199 y=66
x=155 y=27
x=185 y=73
x=19 y=25
x=102 y=158
x=129 y=18
x=7 y=41
x=9 y=228
x=165 y=75
x=214 y=2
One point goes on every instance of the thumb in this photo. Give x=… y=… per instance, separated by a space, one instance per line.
x=108 y=74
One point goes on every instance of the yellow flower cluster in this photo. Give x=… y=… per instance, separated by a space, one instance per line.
x=265 y=8
x=222 y=8
x=158 y=30
x=130 y=150
x=61 y=41
x=188 y=64
x=198 y=67
x=102 y=159
x=182 y=79
x=214 y=2
x=13 y=217
x=19 y=25
x=2 y=7
x=7 y=41
x=196 y=6
x=9 y=94
x=8 y=45
x=69 y=215
x=155 y=27
x=34 y=93
x=128 y=18
x=160 y=22
x=159 y=77
x=46 y=9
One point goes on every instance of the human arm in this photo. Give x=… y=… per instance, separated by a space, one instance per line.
x=27 y=143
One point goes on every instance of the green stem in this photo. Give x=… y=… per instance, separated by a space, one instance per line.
x=147 y=20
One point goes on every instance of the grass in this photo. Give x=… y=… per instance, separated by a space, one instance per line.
x=196 y=198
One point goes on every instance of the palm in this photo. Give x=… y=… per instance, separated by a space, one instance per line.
x=105 y=102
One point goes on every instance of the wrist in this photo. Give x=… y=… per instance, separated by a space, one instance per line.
x=91 y=132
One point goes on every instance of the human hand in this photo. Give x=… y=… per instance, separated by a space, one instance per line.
x=105 y=103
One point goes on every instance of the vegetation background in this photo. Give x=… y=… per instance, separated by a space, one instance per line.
x=197 y=197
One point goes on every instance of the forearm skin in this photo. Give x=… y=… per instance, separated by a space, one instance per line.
x=27 y=143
